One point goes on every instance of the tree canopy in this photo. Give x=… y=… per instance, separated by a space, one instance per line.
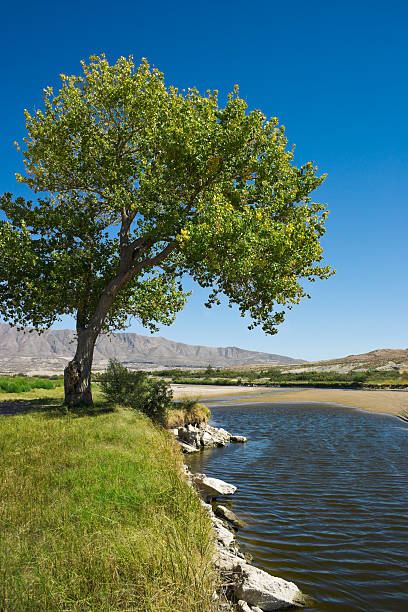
x=138 y=184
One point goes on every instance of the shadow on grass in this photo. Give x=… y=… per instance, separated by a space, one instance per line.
x=52 y=408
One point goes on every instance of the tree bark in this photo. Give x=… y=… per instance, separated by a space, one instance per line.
x=77 y=374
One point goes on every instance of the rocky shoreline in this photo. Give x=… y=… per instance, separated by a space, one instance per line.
x=243 y=587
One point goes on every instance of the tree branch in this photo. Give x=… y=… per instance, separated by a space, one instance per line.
x=123 y=276
x=156 y=259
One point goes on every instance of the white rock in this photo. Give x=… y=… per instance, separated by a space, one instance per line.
x=226 y=560
x=213 y=487
x=189 y=437
x=268 y=592
x=187 y=448
x=242 y=606
x=207 y=507
x=224 y=535
x=230 y=516
x=224 y=432
x=218 y=437
x=241 y=439
x=206 y=439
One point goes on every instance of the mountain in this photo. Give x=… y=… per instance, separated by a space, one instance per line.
x=30 y=352
x=374 y=358
x=380 y=359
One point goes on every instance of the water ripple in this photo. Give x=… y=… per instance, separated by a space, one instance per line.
x=323 y=492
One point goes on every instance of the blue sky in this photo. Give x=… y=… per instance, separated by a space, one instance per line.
x=335 y=73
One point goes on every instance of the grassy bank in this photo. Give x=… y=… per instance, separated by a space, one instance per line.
x=95 y=515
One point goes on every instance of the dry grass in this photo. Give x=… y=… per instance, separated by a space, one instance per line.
x=189 y=411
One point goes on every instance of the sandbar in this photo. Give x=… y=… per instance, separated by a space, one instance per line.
x=381 y=401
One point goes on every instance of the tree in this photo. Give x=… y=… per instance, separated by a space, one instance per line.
x=209 y=371
x=139 y=184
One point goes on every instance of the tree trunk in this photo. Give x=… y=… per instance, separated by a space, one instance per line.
x=77 y=374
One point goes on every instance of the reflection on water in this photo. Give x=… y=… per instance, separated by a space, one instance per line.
x=323 y=491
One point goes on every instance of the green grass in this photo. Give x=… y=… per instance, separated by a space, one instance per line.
x=95 y=515
x=47 y=397
x=23 y=384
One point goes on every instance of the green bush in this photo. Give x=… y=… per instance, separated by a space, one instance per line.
x=136 y=390
x=23 y=384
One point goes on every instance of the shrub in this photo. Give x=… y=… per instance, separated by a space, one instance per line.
x=187 y=412
x=23 y=384
x=198 y=413
x=136 y=390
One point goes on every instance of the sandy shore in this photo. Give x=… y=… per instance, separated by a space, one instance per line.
x=386 y=402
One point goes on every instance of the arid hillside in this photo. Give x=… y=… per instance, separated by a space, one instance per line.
x=51 y=351
x=380 y=359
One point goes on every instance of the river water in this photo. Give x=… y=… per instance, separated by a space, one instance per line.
x=324 y=494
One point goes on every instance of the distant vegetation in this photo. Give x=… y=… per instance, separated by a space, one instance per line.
x=276 y=376
x=23 y=384
x=145 y=391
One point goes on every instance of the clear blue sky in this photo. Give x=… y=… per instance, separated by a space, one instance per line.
x=335 y=73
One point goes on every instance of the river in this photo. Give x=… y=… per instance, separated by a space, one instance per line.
x=323 y=491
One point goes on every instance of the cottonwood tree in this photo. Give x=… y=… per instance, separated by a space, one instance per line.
x=138 y=184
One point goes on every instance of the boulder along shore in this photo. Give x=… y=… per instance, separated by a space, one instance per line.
x=243 y=587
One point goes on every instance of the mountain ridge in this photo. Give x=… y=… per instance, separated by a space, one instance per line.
x=51 y=351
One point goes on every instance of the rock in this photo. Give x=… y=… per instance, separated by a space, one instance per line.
x=265 y=591
x=226 y=560
x=195 y=440
x=223 y=432
x=207 y=507
x=205 y=435
x=227 y=514
x=211 y=436
x=213 y=487
x=206 y=439
x=223 y=534
x=242 y=606
x=192 y=438
x=187 y=448
x=241 y=439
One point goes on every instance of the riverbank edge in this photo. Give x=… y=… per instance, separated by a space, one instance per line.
x=243 y=586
